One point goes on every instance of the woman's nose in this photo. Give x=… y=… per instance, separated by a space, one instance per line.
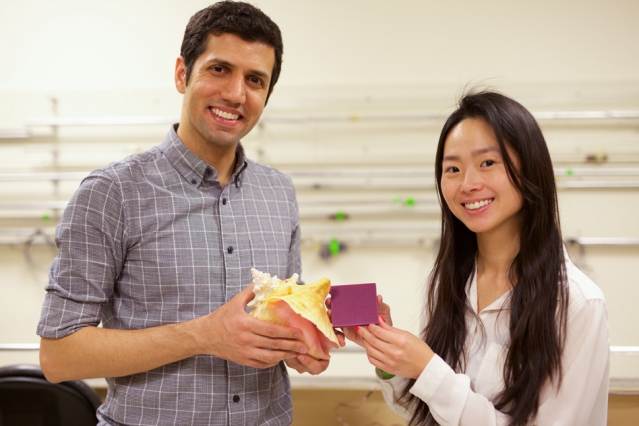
x=472 y=181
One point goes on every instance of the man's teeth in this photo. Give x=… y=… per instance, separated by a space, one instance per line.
x=477 y=204
x=224 y=114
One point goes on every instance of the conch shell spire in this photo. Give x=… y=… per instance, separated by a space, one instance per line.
x=286 y=302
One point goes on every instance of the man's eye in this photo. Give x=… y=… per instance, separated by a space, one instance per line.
x=217 y=68
x=255 y=80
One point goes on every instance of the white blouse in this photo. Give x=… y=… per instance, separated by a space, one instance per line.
x=467 y=399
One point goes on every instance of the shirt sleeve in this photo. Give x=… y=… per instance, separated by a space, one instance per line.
x=294 y=265
x=90 y=240
x=581 y=399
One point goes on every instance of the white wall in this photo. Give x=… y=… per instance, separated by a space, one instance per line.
x=354 y=57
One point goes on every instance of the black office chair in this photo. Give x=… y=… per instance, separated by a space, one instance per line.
x=28 y=399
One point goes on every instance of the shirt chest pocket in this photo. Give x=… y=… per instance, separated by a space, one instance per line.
x=490 y=377
x=269 y=252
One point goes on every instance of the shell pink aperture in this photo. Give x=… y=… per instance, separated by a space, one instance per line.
x=295 y=305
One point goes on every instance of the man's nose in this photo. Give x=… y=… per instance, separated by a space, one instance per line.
x=234 y=90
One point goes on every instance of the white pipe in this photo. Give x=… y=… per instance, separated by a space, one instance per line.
x=32 y=205
x=615 y=350
x=14 y=134
x=165 y=120
x=38 y=176
x=624 y=350
x=19 y=346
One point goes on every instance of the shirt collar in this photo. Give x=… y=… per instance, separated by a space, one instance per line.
x=192 y=167
x=503 y=302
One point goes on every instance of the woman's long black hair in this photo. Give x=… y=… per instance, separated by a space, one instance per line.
x=539 y=299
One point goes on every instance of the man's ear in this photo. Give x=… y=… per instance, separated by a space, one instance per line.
x=180 y=75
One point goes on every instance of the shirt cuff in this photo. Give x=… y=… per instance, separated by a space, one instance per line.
x=430 y=379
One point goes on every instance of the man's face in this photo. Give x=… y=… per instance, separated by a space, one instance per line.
x=226 y=92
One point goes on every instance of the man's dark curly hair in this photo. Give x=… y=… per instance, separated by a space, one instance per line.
x=242 y=19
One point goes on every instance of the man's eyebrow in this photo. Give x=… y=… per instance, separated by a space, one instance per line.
x=475 y=153
x=228 y=64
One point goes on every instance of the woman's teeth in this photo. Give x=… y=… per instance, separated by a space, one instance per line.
x=224 y=114
x=478 y=204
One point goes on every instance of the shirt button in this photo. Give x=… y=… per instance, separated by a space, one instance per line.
x=236 y=398
x=230 y=249
x=193 y=181
x=208 y=172
x=224 y=201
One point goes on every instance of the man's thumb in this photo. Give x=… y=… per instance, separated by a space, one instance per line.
x=246 y=295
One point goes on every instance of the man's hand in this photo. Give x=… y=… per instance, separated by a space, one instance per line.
x=338 y=333
x=232 y=334
x=307 y=364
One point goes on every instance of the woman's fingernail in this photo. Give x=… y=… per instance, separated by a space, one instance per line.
x=357 y=329
x=382 y=318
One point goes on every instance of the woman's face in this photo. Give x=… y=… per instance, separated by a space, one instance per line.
x=475 y=183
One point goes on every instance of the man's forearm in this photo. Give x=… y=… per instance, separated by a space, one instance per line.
x=94 y=352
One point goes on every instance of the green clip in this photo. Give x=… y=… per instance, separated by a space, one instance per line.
x=340 y=216
x=333 y=246
x=384 y=374
x=410 y=201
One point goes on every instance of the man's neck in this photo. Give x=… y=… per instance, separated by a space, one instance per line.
x=224 y=162
x=221 y=158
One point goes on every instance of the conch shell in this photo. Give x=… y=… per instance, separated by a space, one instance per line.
x=296 y=305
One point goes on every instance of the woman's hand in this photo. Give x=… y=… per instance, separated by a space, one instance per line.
x=393 y=350
x=383 y=310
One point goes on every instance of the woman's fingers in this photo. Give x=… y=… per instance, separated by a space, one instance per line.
x=383 y=310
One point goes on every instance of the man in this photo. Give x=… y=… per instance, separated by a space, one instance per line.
x=159 y=246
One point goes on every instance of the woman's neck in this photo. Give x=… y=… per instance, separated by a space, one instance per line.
x=495 y=255
x=497 y=249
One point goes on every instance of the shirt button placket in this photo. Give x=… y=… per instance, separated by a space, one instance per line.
x=229 y=245
x=237 y=414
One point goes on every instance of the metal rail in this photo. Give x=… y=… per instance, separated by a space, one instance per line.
x=321 y=233
x=421 y=172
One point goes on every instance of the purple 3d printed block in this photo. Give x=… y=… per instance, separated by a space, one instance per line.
x=354 y=304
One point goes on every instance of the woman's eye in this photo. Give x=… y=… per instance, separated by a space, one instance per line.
x=452 y=169
x=488 y=163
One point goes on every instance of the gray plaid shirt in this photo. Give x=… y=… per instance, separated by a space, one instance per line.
x=153 y=240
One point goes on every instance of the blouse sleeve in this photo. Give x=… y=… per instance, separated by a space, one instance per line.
x=581 y=399
x=391 y=390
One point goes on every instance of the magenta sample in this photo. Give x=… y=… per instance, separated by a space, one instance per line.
x=354 y=304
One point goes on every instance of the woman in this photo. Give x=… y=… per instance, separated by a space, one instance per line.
x=514 y=333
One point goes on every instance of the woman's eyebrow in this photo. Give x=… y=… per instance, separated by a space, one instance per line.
x=475 y=153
